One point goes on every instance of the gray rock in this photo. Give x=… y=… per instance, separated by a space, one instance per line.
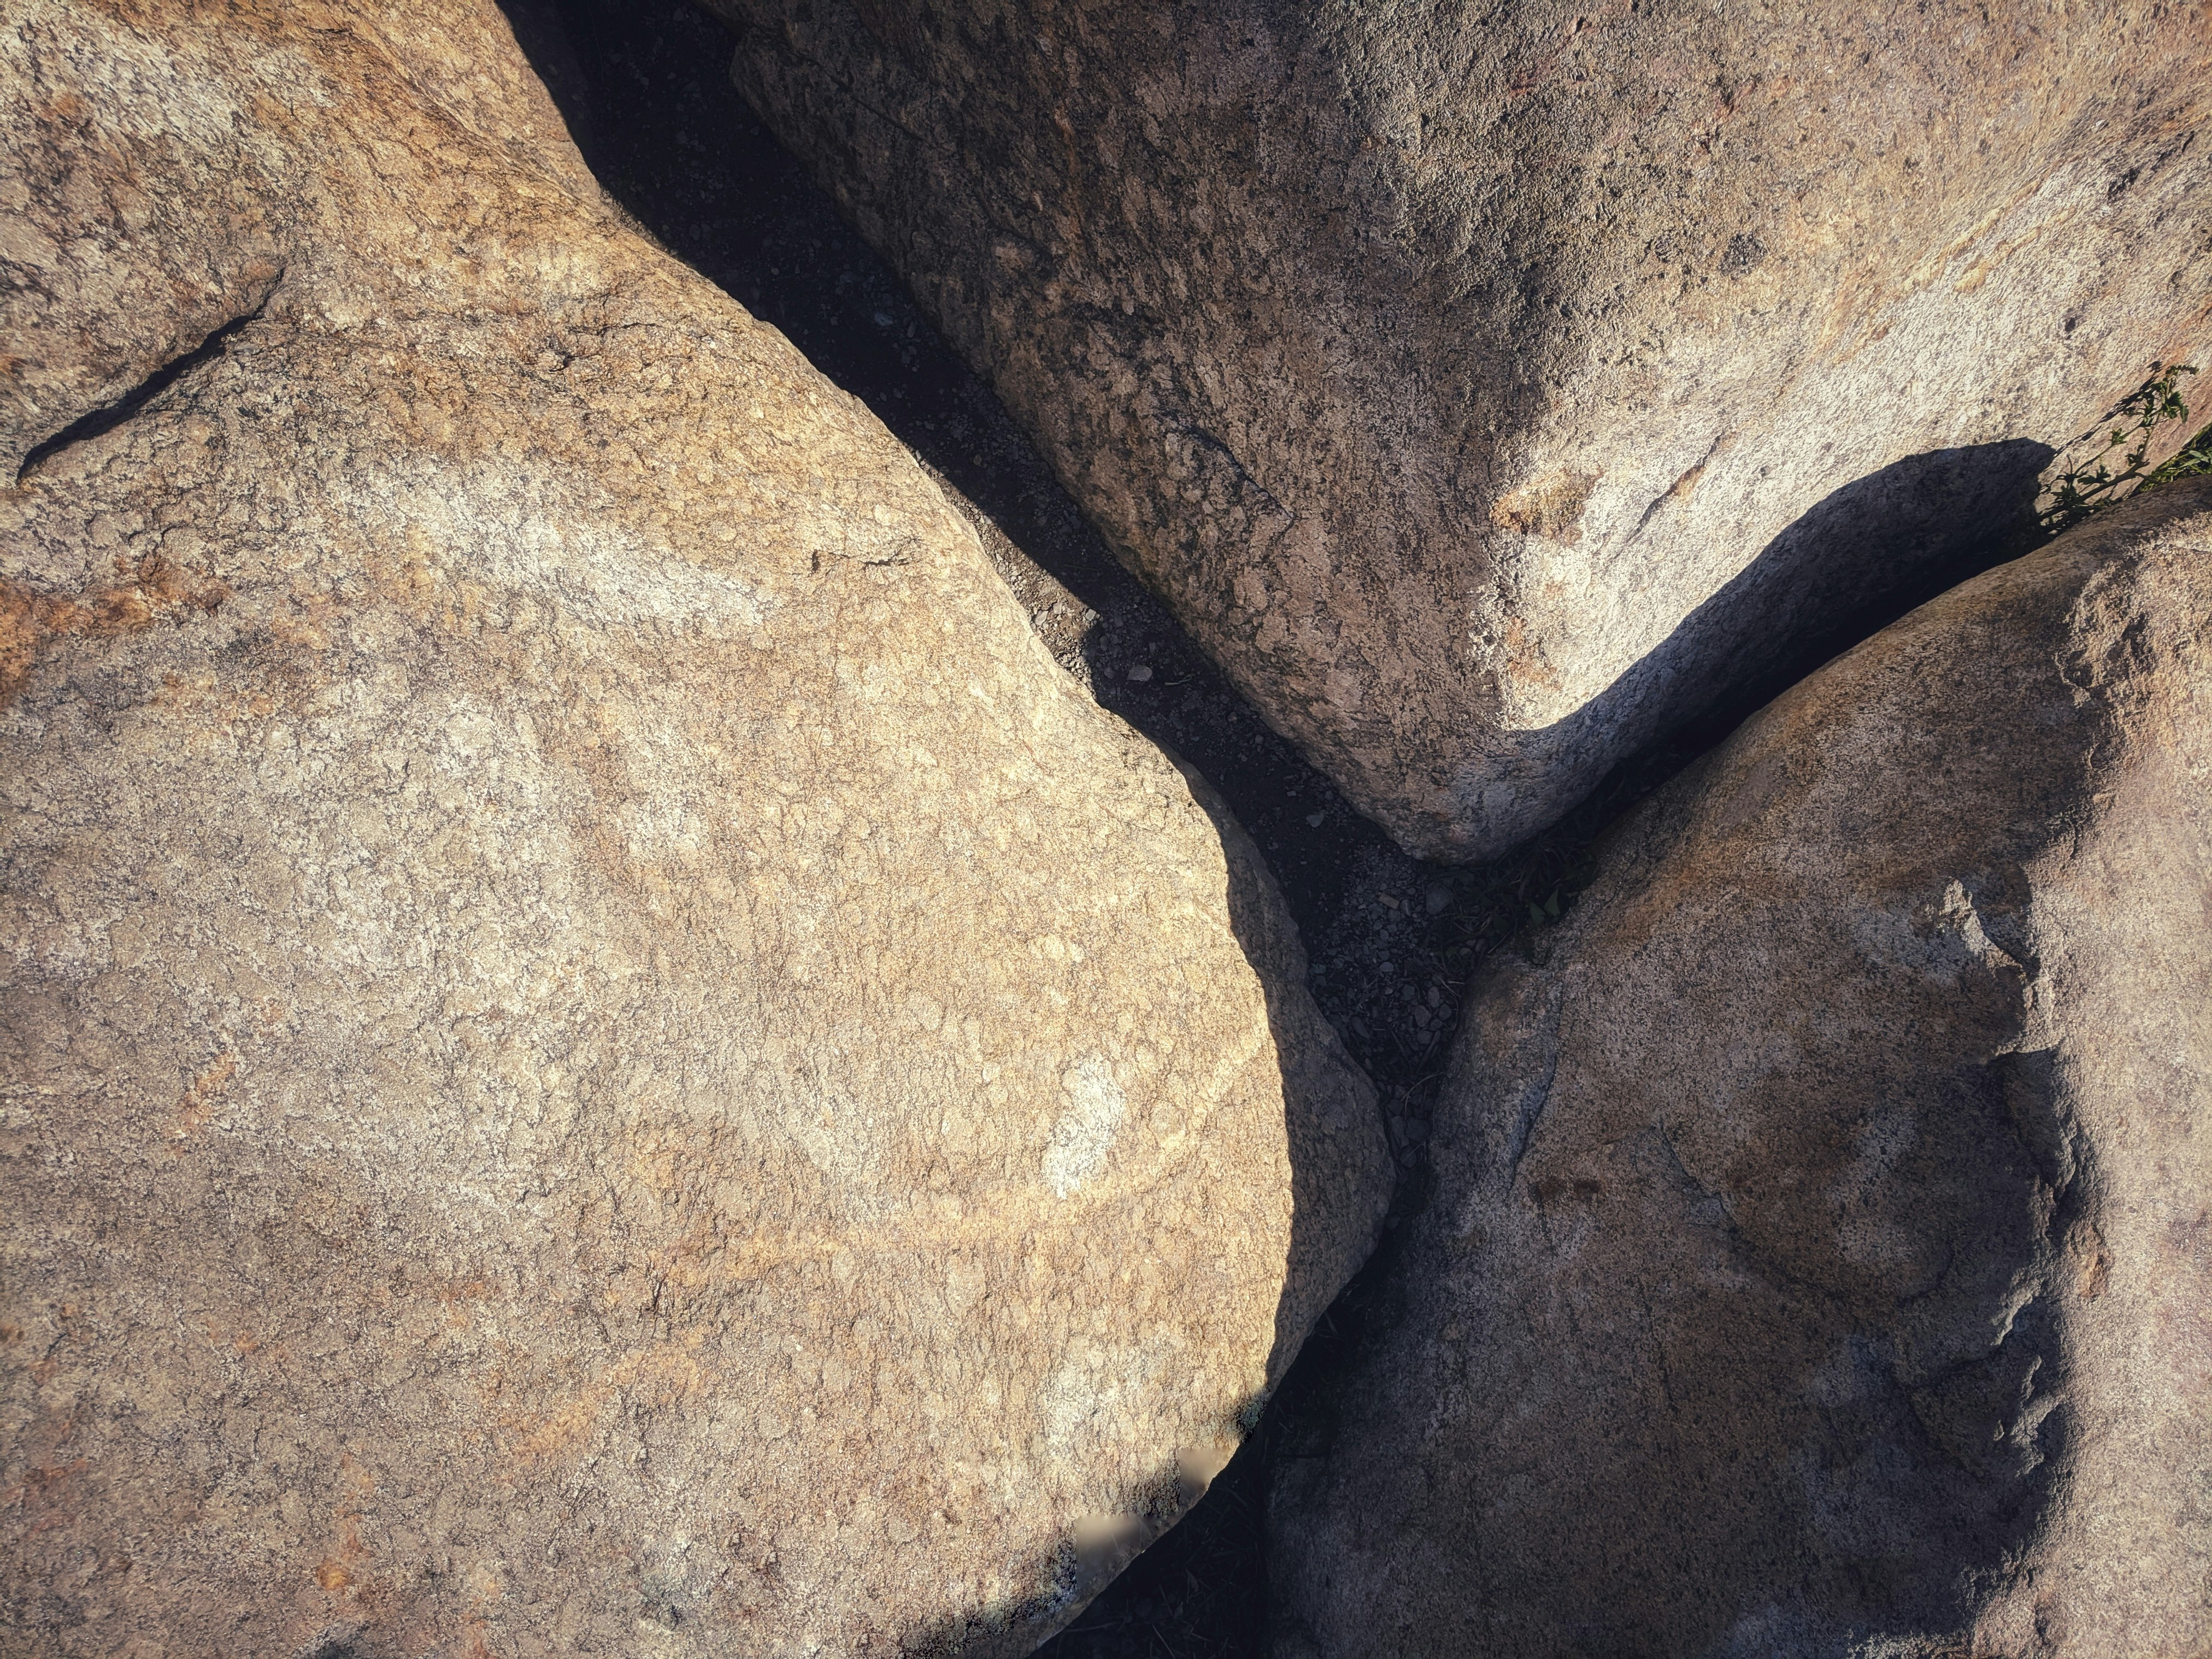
x=1821 y=1259
x=1489 y=387
x=601 y=1054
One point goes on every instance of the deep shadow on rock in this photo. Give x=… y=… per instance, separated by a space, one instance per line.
x=1817 y=1257
x=1392 y=940
x=646 y=93
x=1946 y=515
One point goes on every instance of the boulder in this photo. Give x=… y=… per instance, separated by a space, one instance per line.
x=1820 y=1257
x=602 y=1055
x=1490 y=388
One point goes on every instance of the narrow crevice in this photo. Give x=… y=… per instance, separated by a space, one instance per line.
x=1393 y=942
x=110 y=415
x=644 y=88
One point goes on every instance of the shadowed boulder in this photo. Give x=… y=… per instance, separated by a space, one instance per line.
x=1464 y=377
x=1820 y=1257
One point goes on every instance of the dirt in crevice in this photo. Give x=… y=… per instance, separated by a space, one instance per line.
x=645 y=88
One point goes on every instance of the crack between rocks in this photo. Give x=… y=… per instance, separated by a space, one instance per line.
x=1199 y=434
x=110 y=415
x=1681 y=486
x=1525 y=1130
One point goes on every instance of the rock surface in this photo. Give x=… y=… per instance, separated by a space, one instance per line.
x=602 y=1055
x=1489 y=389
x=1821 y=1256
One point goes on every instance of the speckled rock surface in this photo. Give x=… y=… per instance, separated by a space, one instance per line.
x=1821 y=1258
x=1489 y=387
x=601 y=1054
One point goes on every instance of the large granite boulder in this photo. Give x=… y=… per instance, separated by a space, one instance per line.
x=1821 y=1254
x=601 y=1055
x=1490 y=387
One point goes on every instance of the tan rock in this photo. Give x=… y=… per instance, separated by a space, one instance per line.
x=1821 y=1262
x=1489 y=388
x=602 y=1056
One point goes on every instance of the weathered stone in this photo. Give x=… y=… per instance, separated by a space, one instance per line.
x=1820 y=1260
x=1491 y=387
x=602 y=1056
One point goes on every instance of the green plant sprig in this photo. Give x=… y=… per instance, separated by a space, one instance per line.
x=2093 y=486
x=2192 y=460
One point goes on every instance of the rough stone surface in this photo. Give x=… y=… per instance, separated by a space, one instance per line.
x=1490 y=387
x=1821 y=1260
x=601 y=1054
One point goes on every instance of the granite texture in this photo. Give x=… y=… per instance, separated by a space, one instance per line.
x=1490 y=388
x=1820 y=1257
x=602 y=1055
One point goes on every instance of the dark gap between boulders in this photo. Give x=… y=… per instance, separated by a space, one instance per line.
x=645 y=90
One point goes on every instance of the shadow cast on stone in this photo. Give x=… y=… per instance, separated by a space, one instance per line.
x=645 y=91
x=1329 y=1123
x=1928 y=521
x=1935 y=520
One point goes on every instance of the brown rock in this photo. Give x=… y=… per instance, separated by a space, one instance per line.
x=1490 y=388
x=602 y=1055
x=1821 y=1262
